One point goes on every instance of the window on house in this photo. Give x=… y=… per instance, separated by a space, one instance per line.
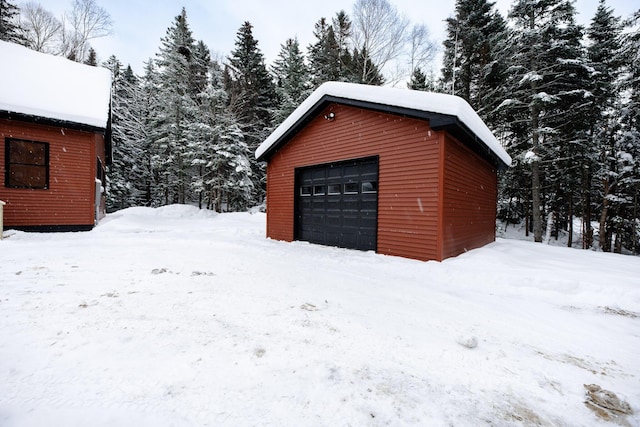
x=26 y=164
x=318 y=190
x=100 y=172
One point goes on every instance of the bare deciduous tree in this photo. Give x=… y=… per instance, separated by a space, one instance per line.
x=85 y=21
x=379 y=30
x=421 y=48
x=42 y=29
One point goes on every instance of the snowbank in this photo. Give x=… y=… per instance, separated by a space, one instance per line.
x=181 y=317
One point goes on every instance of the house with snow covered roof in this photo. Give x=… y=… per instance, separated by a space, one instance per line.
x=54 y=140
x=399 y=172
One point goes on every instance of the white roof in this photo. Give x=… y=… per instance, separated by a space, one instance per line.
x=53 y=87
x=411 y=99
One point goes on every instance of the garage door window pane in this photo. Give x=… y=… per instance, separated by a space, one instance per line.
x=369 y=186
x=333 y=189
x=318 y=190
x=305 y=190
x=351 y=188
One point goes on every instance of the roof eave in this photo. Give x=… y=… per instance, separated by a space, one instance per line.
x=437 y=121
x=31 y=118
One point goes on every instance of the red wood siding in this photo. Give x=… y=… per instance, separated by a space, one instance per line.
x=469 y=200
x=409 y=158
x=70 y=198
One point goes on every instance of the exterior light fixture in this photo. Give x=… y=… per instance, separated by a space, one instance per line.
x=331 y=116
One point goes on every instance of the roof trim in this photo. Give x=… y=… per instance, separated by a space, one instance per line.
x=47 y=121
x=447 y=112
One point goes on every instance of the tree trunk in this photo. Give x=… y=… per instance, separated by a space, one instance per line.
x=587 y=230
x=634 y=228
x=535 y=196
x=570 y=227
x=605 y=243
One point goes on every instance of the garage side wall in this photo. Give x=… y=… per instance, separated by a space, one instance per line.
x=408 y=182
x=469 y=202
x=69 y=201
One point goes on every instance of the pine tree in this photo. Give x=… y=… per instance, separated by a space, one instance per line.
x=129 y=173
x=418 y=80
x=251 y=98
x=293 y=83
x=342 y=33
x=471 y=67
x=325 y=55
x=152 y=157
x=624 y=197
x=223 y=181
x=605 y=60
x=425 y=82
x=176 y=114
x=91 y=58
x=546 y=107
x=10 y=30
x=364 y=71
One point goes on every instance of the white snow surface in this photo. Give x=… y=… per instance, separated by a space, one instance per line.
x=53 y=87
x=413 y=99
x=176 y=316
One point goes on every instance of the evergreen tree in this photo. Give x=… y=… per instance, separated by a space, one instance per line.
x=10 y=30
x=129 y=172
x=624 y=190
x=223 y=181
x=546 y=107
x=292 y=78
x=343 y=33
x=605 y=61
x=176 y=114
x=418 y=80
x=251 y=98
x=425 y=82
x=91 y=58
x=324 y=55
x=471 y=66
x=364 y=71
x=152 y=104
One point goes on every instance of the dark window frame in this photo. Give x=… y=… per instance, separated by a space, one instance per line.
x=352 y=189
x=9 y=182
x=334 y=189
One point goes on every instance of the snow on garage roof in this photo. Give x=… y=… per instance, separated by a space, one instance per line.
x=438 y=103
x=53 y=87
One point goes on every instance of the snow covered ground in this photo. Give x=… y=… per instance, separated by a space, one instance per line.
x=175 y=316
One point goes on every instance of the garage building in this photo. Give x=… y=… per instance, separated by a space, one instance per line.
x=55 y=144
x=399 y=172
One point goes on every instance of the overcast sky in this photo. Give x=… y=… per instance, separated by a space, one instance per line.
x=139 y=24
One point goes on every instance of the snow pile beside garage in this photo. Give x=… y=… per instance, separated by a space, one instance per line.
x=175 y=316
x=412 y=99
x=53 y=87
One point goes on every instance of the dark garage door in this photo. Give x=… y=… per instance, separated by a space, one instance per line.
x=337 y=204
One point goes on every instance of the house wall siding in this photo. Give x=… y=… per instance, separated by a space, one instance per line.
x=408 y=187
x=70 y=198
x=469 y=200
